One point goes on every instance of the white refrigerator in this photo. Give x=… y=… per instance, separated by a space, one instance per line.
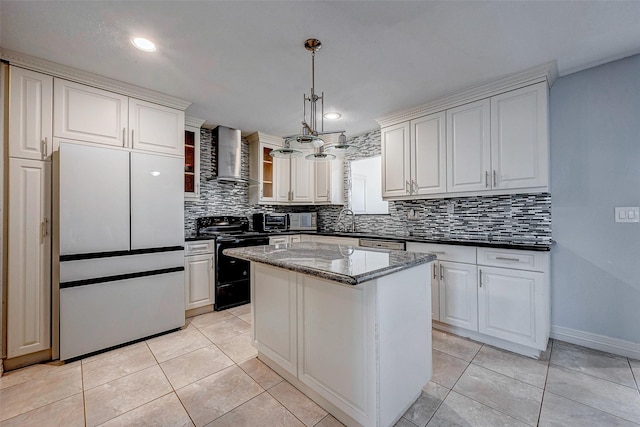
x=121 y=247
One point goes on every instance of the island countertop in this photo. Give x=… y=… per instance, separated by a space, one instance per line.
x=343 y=264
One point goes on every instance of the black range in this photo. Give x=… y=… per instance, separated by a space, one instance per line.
x=232 y=286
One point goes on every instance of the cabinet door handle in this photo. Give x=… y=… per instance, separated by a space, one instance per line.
x=438 y=252
x=43 y=148
x=44 y=225
x=441 y=273
x=124 y=130
x=198 y=247
x=495 y=179
x=435 y=275
x=131 y=138
x=407 y=187
x=413 y=183
x=486 y=178
x=504 y=258
x=480 y=278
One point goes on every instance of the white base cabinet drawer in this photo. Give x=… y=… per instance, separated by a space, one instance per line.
x=453 y=253
x=509 y=258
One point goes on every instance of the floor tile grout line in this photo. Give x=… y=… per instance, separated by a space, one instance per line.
x=84 y=400
x=484 y=404
x=439 y=405
x=239 y=405
x=285 y=407
x=593 y=376
x=546 y=378
x=495 y=409
x=592 y=407
x=633 y=374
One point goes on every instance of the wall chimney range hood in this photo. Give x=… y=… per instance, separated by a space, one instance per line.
x=229 y=154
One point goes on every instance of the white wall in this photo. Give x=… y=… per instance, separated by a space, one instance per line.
x=595 y=166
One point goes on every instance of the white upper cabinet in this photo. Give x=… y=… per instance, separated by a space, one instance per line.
x=469 y=147
x=428 y=155
x=192 y=158
x=265 y=171
x=487 y=140
x=414 y=155
x=396 y=158
x=302 y=175
x=156 y=128
x=328 y=182
x=519 y=138
x=322 y=182
x=30 y=114
x=84 y=113
x=282 y=178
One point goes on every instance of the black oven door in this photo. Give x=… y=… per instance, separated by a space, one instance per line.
x=233 y=274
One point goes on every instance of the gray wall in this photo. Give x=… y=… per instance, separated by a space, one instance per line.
x=595 y=166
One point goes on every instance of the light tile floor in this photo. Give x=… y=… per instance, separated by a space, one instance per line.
x=208 y=374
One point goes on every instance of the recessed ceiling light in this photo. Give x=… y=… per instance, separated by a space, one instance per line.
x=143 y=44
x=332 y=116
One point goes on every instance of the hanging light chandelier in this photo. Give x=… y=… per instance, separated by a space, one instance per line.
x=310 y=137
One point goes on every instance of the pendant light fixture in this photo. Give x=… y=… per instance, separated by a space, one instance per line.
x=310 y=137
x=342 y=147
x=286 y=152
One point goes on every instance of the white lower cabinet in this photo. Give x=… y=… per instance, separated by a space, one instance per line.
x=274 y=310
x=29 y=257
x=508 y=304
x=459 y=294
x=360 y=351
x=199 y=274
x=514 y=296
x=497 y=296
x=347 y=241
x=284 y=240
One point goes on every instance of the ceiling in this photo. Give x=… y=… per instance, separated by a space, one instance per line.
x=243 y=64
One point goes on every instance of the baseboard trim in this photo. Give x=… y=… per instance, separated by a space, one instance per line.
x=596 y=342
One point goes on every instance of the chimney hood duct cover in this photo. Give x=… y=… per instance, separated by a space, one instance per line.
x=229 y=155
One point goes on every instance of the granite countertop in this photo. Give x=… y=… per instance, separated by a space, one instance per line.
x=344 y=264
x=503 y=243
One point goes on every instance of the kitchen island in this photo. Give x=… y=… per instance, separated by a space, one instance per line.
x=350 y=327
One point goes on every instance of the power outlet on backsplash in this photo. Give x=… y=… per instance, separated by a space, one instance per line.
x=412 y=215
x=451 y=207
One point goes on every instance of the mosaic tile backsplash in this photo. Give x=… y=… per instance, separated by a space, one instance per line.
x=524 y=218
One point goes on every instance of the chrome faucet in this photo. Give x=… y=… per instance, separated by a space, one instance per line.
x=351 y=226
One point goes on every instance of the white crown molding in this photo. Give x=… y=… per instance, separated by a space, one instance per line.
x=596 y=342
x=90 y=79
x=193 y=122
x=263 y=137
x=546 y=72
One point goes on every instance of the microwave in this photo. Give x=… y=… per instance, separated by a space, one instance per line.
x=303 y=221
x=270 y=222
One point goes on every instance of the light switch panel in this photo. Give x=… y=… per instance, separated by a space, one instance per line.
x=628 y=214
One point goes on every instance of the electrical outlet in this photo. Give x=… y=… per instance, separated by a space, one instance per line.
x=628 y=214
x=450 y=207
x=412 y=215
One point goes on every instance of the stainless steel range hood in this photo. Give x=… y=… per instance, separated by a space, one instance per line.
x=229 y=154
